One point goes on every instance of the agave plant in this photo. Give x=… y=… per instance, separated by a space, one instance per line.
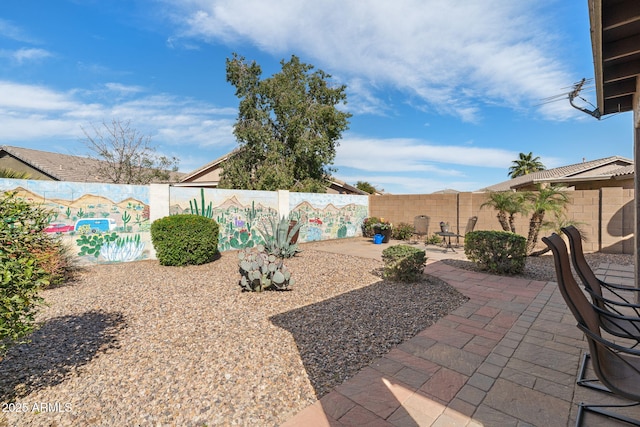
x=278 y=240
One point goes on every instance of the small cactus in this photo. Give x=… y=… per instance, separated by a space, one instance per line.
x=261 y=271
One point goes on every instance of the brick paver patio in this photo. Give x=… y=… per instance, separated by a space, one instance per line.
x=507 y=357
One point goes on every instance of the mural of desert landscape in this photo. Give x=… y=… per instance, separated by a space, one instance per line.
x=110 y=227
x=329 y=216
x=238 y=213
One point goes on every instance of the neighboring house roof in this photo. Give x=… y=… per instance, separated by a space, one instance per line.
x=209 y=175
x=59 y=167
x=614 y=167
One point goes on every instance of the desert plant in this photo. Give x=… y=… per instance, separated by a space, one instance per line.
x=90 y=244
x=434 y=239
x=30 y=259
x=126 y=217
x=122 y=249
x=545 y=199
x=500 y=252
x=367 y=226
x=508 y=204
x=260 y=271
x=403 y=263
x=185 y=239
x=278 y=237
x=402 y=231
x=202 y=211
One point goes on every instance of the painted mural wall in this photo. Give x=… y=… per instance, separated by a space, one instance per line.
x=106 y=223
x=329 y=216
x=239 y=213
x=101 y=223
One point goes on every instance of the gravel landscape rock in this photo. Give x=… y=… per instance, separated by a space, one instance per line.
x=141 y=344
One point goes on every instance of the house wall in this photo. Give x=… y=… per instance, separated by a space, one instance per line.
x=8 y=162
x=111 y=222
x=604 y=215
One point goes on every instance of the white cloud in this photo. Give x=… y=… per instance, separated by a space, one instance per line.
x=21 y=56
x=14 y=32
x=454 y=56
x=416 y=156
x=38 y=112
x=398 y=184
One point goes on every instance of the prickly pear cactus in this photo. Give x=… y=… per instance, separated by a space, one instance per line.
x=260 y=271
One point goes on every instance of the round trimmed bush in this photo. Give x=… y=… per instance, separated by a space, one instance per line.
x=500 y=252
x=185 y=239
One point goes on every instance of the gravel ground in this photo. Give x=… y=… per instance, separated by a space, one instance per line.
x=140 y=344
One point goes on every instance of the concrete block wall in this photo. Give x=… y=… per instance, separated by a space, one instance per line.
x=605 y=215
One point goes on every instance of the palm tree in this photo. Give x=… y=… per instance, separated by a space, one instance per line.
x=525 y=164
x=552 y=199
x=508 y=204
x=10 y=173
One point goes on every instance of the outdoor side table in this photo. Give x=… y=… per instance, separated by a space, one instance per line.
x=447 y=235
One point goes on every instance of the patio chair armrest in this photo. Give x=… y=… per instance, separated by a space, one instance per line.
x=610 y=344
x=617 y=303
x=618 y=287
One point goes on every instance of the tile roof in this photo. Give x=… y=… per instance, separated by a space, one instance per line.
x=60 y=167
x=605 y=168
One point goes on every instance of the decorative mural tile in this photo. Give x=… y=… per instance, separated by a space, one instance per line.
x=329 y=216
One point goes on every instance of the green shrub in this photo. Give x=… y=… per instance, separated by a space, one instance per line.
x=185 y=239
x=403 y=263
x=434 y=239
x=30 y=259
x=500 y=252
x=402 y=231
x=367 y=226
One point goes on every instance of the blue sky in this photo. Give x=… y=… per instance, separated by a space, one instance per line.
x=444 y=93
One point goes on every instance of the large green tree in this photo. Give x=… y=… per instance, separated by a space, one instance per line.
x=525 y=164
x=287 y=129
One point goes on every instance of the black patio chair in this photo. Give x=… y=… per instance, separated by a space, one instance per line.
x=590 y=280
x=620 y=317
x=616 y=366
x=471 y=225
x=421 y=225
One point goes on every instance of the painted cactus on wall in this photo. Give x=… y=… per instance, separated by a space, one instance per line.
x=237 y=212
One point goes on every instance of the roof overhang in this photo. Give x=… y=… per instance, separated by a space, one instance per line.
x=615 y=40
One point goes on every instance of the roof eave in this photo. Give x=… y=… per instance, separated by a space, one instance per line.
x=595 y=16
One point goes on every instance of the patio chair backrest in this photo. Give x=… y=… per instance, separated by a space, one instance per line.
x=471 y=224
x=571 y=292
x=587 y=276
x=617 y=367
x=421 y=225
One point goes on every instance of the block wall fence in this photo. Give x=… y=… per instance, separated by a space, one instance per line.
x=104 y=223
x=605 y=215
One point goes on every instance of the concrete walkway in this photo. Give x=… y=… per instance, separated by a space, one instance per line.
x=507 y=357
